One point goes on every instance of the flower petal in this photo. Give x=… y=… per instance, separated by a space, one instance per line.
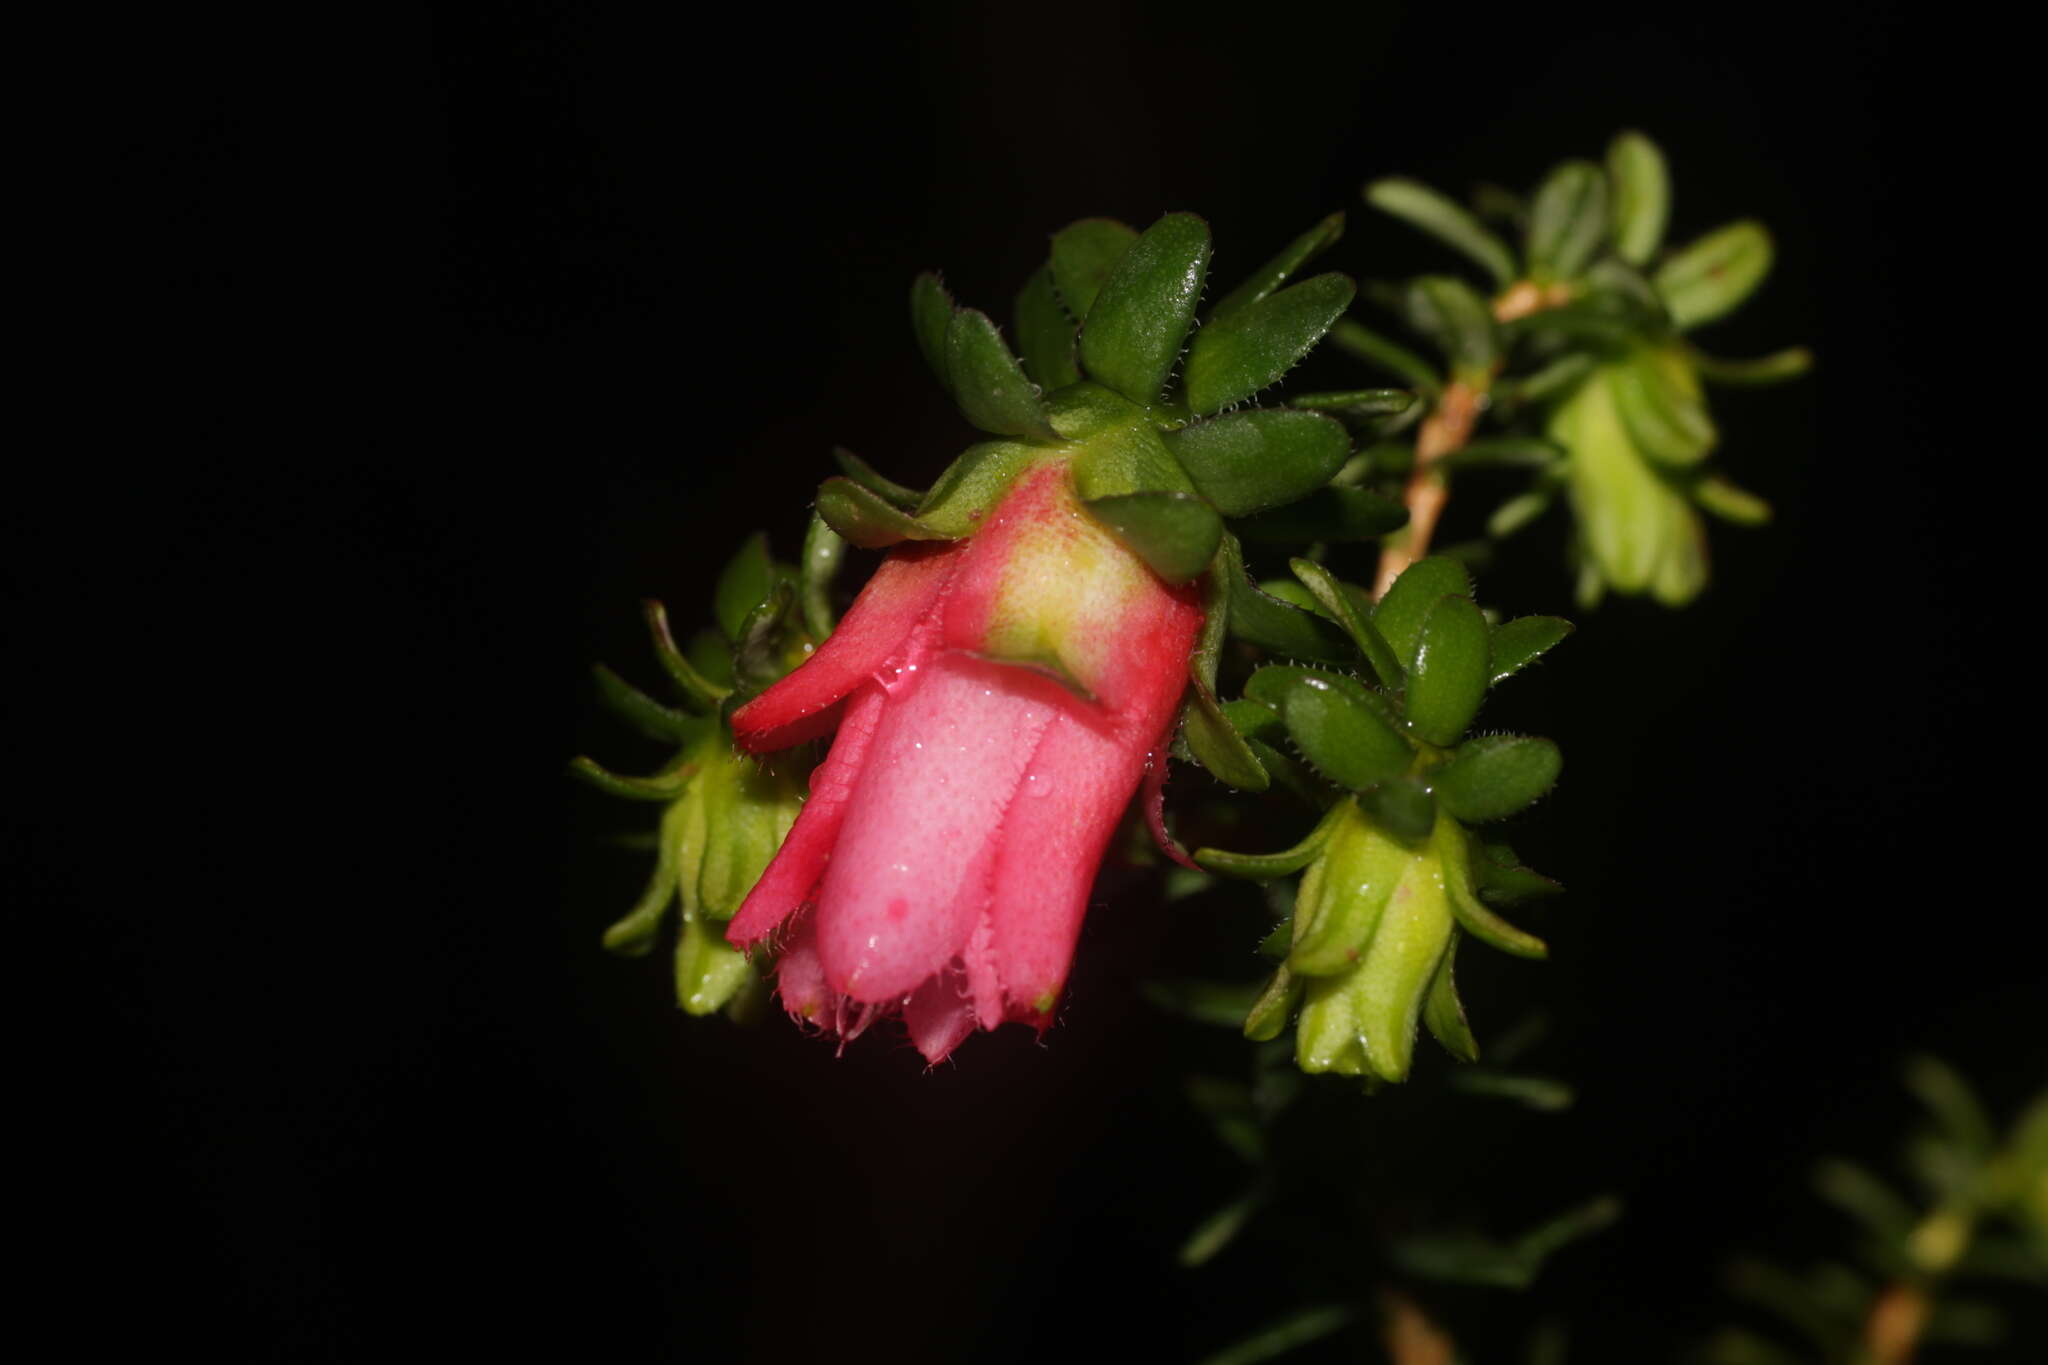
x=899 y=896
x=800 y=979
x=938 y=1015
x=793 y=873
x=875 y=631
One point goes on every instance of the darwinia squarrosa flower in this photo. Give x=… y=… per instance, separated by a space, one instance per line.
x=996 y=700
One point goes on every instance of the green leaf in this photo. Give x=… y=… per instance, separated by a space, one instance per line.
x=1268 y=622
x=1510 y=452
x=745 y=580
x=1518 y=511
x=1277 y=1003
x=1402 y=807
x=1356 y=403
x=1448 y=680
x=1343 y=608
x=1492 y=777
x=1083 y=256
x=1289 y=1333
x=931 y=313
x=1045 y=334
x=1176 y=533
x=1446 y=220
x=1213 y=740
x=649 y=716
x=1277 y=271
x=1216 y=1231
x=1501 y=876
x=1344 y=731
x=1554 y=380
x=634 y=932
x=865 y=519
x=1522 y=641
x=1642 y=196
x=1332 y=514
x=665 y=785
x=1711 y=277
x=1221 y=1004
x=1953 y=1104
x=864 y=474
x=1730 y=503
x=1476 y=917
x=757 y=654
x=1540 y=1093
x=1134 y=329
x=1445 y=1014
x=1446 y=310
x=1401 y=612
x=1775 y=368
x=1234 y=357
x=824 y=552
x=1391 y=356
x=972 y=485
x=1658 y=399
x=1862 y=1195
x=1248 y=461
x=698 y=691
x=988 y=383
x=1265 y=867
x=1469 y=1258
x=1567 y=220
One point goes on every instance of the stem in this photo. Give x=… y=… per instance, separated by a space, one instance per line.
x=1446 y=430
x=1409 y=1336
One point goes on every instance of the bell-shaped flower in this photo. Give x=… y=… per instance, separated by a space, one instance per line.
x=997 y=701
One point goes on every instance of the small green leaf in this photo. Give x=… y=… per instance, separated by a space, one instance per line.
x=1774 y=368
x=1852 y=1188
x=1541 y=1093
x=1083 y=256
x=1402 y=807
x=1289 y=1333
x=988 y=383
x=1953 y=1104
x=1518 y=511
x=1520 y=642
x=972 y=485
x=1214 y=741
x=1133 y=332
x=1245 y=462
x=1567 y=220
x=1265 y=867
x=1344 y=610
x=1331 y=514
x=1448 y=680
x=864 y=474
x=745 y=580
x=1446 y=220
x=1344 y=731
x=1508 y=452
x=1277 y=1003
x=1501 y=876
x=865 y=519
x=1494 y=776
x=1475 y=916
x=1390 y=356
x=1401 y=612
x=1234 y=357
x=1658 y=398
x=666 y=785
x=1356 y=404
x=1268 y=622
x=1446 y=310
x=757 y=655
x=1711 y=277
x=1642 y=196
x=1216 y=1231
x=634 y=933
x=931 y=313
x=698 y=691
x=1554 y=380
x=1176 y=533
x=1445 y=1014
x=1730 y=503
x=1254 y=720
x=824 y=552
x=649 y=716
x=1045 y=334
x=1280 y=269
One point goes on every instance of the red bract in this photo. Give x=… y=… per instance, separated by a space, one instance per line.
x=997 y=701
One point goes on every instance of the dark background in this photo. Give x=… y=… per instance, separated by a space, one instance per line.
x=516 y=315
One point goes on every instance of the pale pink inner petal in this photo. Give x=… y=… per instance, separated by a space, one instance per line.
x=794 y=871
x=1073 y=792
x=895 y=903
x=939 y=1015
x=874 y=631
x=800 y=979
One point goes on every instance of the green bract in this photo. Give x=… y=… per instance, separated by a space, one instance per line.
x=1391 y=874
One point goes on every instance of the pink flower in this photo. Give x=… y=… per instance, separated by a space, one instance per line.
x=997 y=700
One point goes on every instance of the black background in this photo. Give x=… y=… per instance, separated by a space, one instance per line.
x=517 y=314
